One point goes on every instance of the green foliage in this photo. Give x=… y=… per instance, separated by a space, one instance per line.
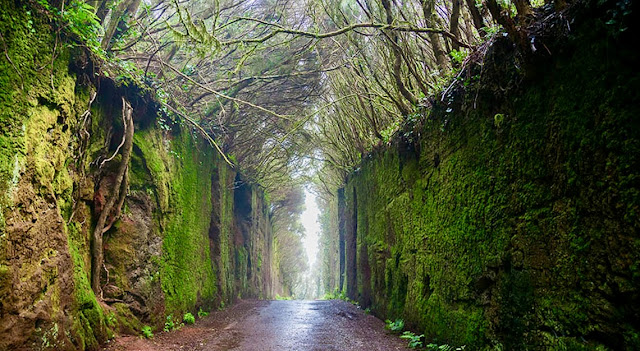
x=188 y=318
x=202 y=313
x=395 y=326
x=278 y=297
x=619 y=16
x=83 y=22
x=388 y=132
x=458 y=56
x=170 y=324
x=491 y=31
x=78 y=18
x=414 y=341
x=335 y=295
x=147 y=332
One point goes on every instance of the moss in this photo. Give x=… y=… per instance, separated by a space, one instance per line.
x=226 y=179
x=127 y=321
x=47 y=160
x=181 y=174
x=486 y=233
x=170 y=174
x=89 y=327
x=240 y=254
x=22 y=84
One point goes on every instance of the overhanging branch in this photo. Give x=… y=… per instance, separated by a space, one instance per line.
x=279 y=29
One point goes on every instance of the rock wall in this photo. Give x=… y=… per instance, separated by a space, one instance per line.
x=508 y=217
x=192 y=233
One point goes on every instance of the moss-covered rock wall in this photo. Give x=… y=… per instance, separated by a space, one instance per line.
x=508 y=217
x=191 y=233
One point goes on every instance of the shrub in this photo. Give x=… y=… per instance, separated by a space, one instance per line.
x=188 y=318
x=395 y=326
x=146 y=332
x=202 y=313
x=170 y=325
x=415 y=341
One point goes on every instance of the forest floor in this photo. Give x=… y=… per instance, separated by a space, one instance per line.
x=253 y=325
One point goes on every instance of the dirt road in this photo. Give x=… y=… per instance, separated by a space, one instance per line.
x=275 y=325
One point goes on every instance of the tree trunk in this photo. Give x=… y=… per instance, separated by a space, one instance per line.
x=524 y=8
x=102 y=9
x=126 y=7
x=478 y=21
x=434 y=38
x=454 y=26
x=397 y=57
x=519 y=37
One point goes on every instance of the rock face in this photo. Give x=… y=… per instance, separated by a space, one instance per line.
x=509 y=218
x=192 y=233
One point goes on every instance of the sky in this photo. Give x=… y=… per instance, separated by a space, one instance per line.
x=312 y=228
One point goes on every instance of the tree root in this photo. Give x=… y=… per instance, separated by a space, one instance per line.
x=97 y=257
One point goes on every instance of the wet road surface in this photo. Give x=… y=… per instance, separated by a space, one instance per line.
x=275 y=325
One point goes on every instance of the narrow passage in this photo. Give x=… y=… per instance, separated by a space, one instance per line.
x=275 y=325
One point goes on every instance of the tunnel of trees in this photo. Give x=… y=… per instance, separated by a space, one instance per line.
x=475 y=163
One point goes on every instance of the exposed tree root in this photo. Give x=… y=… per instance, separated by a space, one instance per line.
x=119 y=187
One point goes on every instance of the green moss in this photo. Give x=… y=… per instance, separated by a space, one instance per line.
x=226 y=179
x=127 y=321
x=181 y=175
x=22 y=85
x=89 y=327
x=521 y=225
x=39 y=109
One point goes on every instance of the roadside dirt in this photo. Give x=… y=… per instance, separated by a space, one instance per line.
x=253 y=325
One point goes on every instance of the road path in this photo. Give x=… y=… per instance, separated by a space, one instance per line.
x=275 y=325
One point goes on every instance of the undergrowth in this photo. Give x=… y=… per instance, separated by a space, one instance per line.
x=147 y=332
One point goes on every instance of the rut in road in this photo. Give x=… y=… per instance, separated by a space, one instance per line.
x=275 y=325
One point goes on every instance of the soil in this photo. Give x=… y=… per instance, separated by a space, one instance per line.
x=253 y=325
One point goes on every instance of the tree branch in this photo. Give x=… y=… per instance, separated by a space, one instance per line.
x=381 y=26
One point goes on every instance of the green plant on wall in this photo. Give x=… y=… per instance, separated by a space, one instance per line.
x=79 y=18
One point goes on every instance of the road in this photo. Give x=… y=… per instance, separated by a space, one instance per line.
x=275 y=325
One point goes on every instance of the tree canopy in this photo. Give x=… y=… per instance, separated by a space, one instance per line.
x=279 y=86
x=283 y=87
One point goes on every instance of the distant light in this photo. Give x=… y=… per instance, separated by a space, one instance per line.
x=311 y=226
